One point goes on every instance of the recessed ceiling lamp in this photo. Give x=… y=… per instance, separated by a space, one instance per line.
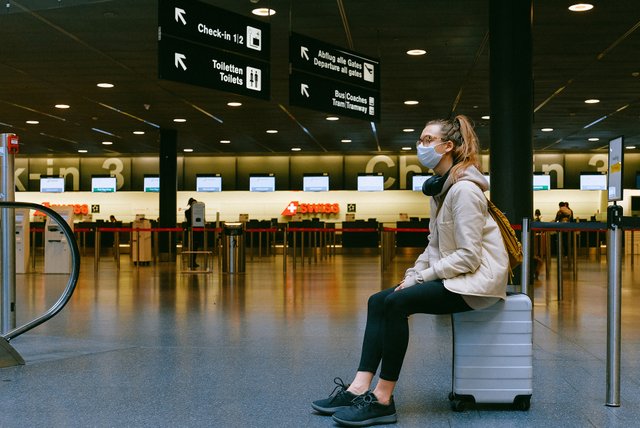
x=411 y=102
x=32 y=122
x=82 y=151
x=407 y=148
x=631 y=147
x=345 y=140
x=187 y=150
x=225 y=141
x=295 y=149
x=138 y=132
x=580 y=7
x=592 y=101
x=177 y=120
x=234 y=104
x=105 y=85
x=594 y=139
x=486 y=117
x=408 y=130
x=61 y=106
x=272 y=131
x=547 y=129
x=332 y=118
x=416 y=52
x=107 y=143
x=263 y=11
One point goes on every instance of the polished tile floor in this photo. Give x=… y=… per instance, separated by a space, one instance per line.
x=151 y=346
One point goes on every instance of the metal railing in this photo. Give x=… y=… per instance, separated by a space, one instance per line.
x=73 y=277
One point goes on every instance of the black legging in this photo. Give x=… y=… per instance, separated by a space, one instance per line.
x=386 y=335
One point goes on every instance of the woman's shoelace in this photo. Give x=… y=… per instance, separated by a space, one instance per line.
x=340 y=387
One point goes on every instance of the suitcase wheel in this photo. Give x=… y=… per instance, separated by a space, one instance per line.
x=458 y=405
x=522 y=402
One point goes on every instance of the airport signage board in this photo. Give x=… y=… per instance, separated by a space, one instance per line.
x=330 y=96
x=203 y=23
x=334 y=80
x=333 y=62
x=204 y=45
x=198 y=65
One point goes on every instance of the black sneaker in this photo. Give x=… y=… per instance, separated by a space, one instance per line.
x=366 y=411
x=339 y=399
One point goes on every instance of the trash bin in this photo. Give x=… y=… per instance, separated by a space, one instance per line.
x=233 y=259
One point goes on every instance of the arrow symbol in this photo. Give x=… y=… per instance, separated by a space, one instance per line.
x=303 y=52
x=178 y=60
x=303 y=89
x=179 y=15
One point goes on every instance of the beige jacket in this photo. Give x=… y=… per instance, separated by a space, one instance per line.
x=465 y=247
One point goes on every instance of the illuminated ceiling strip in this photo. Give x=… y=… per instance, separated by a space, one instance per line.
x=596 y=121
x=129 y=115
x=374 y=130
x=34 y=110
x=305 y=130
x=105 y=132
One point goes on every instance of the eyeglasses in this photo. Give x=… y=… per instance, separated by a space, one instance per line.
x=427 y=140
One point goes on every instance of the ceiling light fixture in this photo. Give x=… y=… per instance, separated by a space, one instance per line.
x=234 y=104
x=407 y=148
x=295 y=149
x=225 y=141
x=82 y=150
x=332 y=118
x=177 y=120
x=592 y=101
x=408 y=130
x=107 y=143
x=594 y=139
x=62 y=106
x=411 y=102
x=263 y=11
x=138 y=132
x=486 y=117
x=187 y=150
x=32 y=122
x=547 y=129
x=631 y=147
x=272 y=131
x=345 y=140
x=105 y=85
x=416 y=52
x=580 y=7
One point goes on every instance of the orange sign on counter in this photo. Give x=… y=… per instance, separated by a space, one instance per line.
x=295 y=207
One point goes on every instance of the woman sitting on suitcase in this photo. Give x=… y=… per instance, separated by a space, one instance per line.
x=464 y=267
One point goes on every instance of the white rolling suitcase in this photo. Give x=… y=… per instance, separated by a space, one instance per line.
x=493 y=354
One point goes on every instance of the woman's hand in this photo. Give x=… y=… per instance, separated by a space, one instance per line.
x=409 y=281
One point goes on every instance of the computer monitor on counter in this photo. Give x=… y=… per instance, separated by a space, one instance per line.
x=208 y=183
x=51 y=184
x=315 y=182
x=370 y=182
x=418 y=180
x=593 y=181
x=103 y=184
x=541 y=182
x=262 y=183
x=151 y=183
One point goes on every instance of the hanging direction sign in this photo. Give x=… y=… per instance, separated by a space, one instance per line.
x=333 y=62
x=186 y=62
x=204 y=45
x=329 y=78
x=330 y=96
x=200 y=22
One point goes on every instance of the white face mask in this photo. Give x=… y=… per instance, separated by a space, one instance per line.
x=428 y=156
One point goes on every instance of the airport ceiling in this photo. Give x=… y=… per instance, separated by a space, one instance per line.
x=56 y=51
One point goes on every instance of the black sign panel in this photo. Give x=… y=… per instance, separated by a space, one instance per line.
x=199 y=65
x=214 y=27
x=333 y=62
x=307 y=90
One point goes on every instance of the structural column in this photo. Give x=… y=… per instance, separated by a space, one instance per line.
x=168 y=190
x=511 y=147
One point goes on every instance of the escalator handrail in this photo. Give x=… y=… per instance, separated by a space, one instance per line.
x=73 y=277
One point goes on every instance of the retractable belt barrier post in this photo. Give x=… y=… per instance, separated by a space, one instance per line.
x=8 y=149
x=614 y=281
x=526 y=257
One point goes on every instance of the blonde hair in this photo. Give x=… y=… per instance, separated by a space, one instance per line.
x=466 y=146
